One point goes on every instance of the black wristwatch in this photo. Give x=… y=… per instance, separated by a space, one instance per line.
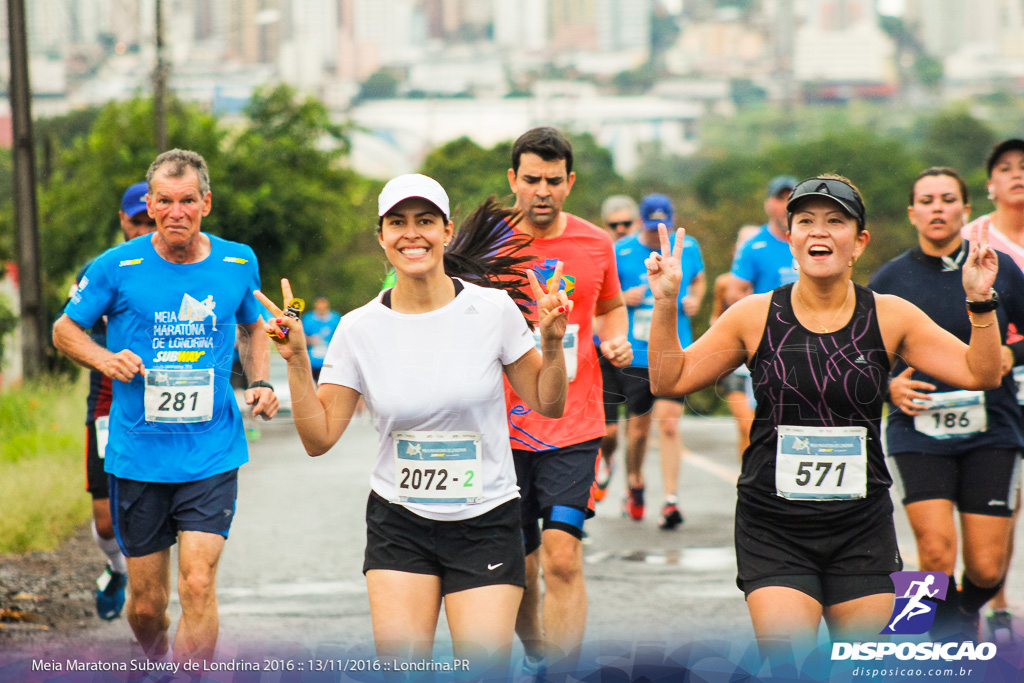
x=984 y=306
x=260 y=383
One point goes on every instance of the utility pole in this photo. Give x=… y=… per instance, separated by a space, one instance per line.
x=160 y=83
x=33 y=332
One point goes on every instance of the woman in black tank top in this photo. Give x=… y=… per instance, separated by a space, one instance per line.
x=814 y=531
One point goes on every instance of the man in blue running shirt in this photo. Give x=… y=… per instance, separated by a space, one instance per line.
x=319 y=325
x=630 y=254
x=173 y=301
x=765 y=261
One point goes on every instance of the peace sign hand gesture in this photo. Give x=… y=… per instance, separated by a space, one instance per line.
x=553 y=306
x=665 y=270
x=285 y=328
x=980 y=267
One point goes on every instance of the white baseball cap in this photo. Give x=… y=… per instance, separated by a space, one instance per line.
x=412 y=185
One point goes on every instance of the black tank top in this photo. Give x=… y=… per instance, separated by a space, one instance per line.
x=803 y=378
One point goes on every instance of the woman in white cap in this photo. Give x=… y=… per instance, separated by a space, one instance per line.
x=814 y=530
x=428 y=356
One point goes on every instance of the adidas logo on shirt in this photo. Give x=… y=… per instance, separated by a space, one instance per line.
x=471 y=310
x=860 y=360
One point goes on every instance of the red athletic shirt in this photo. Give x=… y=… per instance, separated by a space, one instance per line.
x=588 y=276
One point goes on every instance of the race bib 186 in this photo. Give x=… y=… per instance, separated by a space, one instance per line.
x=953 y=414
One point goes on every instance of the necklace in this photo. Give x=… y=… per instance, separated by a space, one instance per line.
x=824 y=328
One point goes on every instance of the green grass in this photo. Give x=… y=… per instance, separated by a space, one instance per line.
x=42 y=465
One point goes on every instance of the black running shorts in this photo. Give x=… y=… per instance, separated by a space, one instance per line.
x=832 y=563
x=481 y=551
x=612 y=392
x=631 y=386
x=981 y=482
x=95 y=477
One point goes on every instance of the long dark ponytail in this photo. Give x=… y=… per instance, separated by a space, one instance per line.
x=486 y=251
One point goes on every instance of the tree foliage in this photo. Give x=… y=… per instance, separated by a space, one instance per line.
x=78 y=205
x=955 y=138
x=470 y=173
x=6 y=205
x=731 y=191
x=286 y=193
x=381 y=85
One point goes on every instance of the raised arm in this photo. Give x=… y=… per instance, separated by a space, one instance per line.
x=321 y=417
x=540 y=379
x=934 y=351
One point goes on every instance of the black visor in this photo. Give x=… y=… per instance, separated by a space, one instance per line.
x=836 y=190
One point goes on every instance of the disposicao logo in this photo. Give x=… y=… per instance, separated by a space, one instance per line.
x=917 y=596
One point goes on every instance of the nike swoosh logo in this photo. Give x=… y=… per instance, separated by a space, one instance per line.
x=492 y=567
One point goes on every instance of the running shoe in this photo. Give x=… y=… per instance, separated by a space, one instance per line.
x=604 y=477
x=1000 y=626
x=110 y=596
x=671 y=517
x=633 y=505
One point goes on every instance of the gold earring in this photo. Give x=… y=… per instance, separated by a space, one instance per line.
x=850 y=264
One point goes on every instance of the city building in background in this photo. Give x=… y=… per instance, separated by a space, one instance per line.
x=638 y=74
x=980 y=44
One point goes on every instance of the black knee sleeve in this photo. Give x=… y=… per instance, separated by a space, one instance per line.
x=974 y=597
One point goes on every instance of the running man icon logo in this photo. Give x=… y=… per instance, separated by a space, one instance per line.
x=193 y=309
x=801 y=444
x=917 y=595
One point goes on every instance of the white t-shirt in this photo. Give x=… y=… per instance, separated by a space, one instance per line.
x=437 y=372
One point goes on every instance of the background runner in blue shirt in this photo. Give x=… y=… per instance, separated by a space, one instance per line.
x=630 y=254
x=319 y=325
x=765 y=261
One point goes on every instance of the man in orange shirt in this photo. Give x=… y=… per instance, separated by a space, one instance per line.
x=556 y=459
